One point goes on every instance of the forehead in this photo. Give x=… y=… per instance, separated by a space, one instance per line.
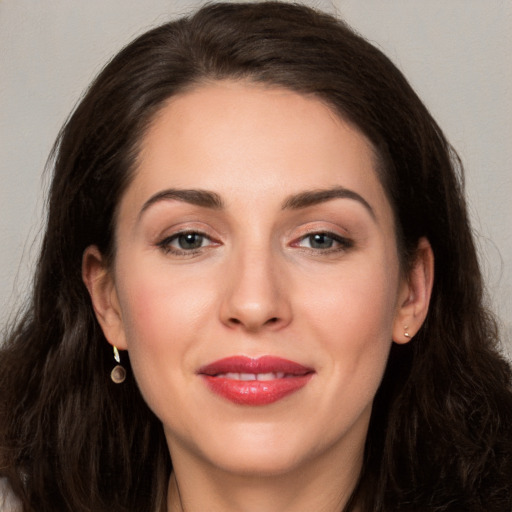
x=252 y=141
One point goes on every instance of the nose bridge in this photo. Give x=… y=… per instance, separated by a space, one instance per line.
x=254 y=295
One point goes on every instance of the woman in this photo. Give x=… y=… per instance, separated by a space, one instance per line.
x=257 y=290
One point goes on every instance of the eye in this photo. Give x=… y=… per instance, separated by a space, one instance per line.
x=324 y=241
x=319 y=241
x=186 y=242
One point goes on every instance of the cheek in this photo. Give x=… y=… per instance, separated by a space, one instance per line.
x=161 y=316
x=157 y=304
x=352 y=318
x=359 y=303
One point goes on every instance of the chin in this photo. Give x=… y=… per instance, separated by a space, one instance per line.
x=261 y=463
x=262 y=452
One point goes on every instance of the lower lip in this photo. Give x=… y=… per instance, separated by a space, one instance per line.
x=254 y=392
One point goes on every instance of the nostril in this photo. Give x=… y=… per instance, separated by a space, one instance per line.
x=270 y=321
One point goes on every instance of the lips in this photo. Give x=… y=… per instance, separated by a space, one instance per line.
x=246 y=381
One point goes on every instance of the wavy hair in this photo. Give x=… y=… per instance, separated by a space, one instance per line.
x=440 y=433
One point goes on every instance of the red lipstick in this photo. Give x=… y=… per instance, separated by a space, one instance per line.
x=261 y=381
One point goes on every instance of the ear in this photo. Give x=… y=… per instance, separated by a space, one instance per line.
x=414 y=294
x=100 y=283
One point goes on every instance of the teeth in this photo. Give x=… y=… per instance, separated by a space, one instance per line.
x=247 y=376
x=251 y=376
x=267 y=376
x=270 y=376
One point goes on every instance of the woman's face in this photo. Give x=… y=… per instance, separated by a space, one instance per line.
x=256 y=283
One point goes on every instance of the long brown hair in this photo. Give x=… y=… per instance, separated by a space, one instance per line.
x=440 y=433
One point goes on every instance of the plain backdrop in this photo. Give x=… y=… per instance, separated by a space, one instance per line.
x=456 y=54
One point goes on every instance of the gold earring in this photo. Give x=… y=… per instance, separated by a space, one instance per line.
x=118 y=373
x=406 y=333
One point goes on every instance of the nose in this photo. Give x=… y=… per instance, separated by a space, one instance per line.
x=255 y=294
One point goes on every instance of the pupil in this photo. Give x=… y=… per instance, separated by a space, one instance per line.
x=320 y=241
x=190 y=241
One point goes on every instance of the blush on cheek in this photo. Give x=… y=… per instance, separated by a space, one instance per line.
x=159 y=311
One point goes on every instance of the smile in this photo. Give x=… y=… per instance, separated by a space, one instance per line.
x=262 y=381
x=253 y=376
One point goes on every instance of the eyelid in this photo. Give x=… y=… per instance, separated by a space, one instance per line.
x=167 y=230
x=177 y=234
x=337 y=238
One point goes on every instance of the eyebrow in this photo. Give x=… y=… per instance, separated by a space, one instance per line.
x=207 y=199
x=197 y=197
x=314 y=197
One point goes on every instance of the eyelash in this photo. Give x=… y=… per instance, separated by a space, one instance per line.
x=342 y=244
x=166 y=246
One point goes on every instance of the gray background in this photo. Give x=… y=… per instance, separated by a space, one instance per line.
x=456 y=53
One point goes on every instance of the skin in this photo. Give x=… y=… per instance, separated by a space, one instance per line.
x=258 y=285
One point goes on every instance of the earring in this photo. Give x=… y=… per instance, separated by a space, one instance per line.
x=118 y=373
x=406 y=333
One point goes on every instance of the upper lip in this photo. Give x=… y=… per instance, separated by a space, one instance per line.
x=244 y=364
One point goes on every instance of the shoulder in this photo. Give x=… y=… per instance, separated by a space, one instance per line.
x=8 y=500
